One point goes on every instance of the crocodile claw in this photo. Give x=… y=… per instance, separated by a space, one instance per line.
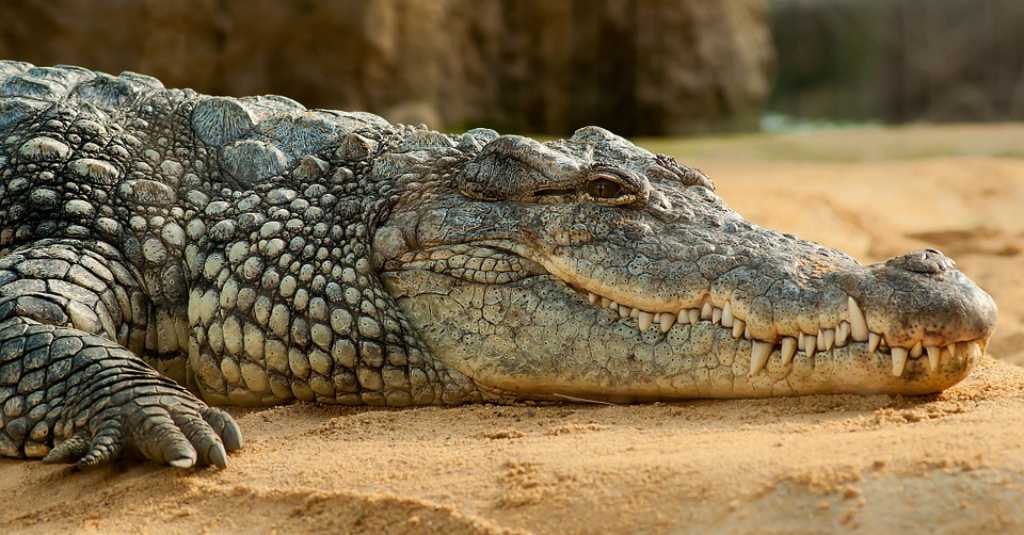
x=171 y=428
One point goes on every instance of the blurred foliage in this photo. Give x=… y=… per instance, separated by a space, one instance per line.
x=899 y=60
x=850 y=145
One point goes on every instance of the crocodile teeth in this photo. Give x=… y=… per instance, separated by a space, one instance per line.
x=873 y=341
x=810 y=344
x=759 y=352
x=858 y=325
x=842 y=333
x=667 y=320
x=825 y=339
x=738 y=327
x=788 y=349
x=899 y=360
x=645 y=319
x=933 y=357
x=828 y=336
x=973 y=351
x=727 y=317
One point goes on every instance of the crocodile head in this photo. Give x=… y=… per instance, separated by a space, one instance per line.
x=591 y=267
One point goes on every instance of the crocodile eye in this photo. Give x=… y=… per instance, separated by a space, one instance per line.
x=604 y=187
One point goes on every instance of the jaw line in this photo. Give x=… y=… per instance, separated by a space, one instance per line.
x=664 y=314
x=917 y=380
x=560 y=269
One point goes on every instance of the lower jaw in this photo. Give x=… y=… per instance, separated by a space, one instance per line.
x=724 y=374
x=853 y=369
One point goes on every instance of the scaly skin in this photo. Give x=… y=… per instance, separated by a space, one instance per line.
x=256 y=253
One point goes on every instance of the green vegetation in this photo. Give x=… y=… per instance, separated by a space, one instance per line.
x=868 y=143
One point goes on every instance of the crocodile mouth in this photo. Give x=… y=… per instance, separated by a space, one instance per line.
x=501 y=262
x=851 y=330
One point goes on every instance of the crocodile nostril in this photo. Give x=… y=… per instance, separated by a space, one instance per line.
x=927 y=261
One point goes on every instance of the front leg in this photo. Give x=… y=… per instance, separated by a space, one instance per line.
x=75 y=397
x=70 y=391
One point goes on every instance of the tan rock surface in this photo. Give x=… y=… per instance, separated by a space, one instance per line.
x=652 y=66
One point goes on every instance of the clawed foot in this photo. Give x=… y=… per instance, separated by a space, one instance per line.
x=165 y=425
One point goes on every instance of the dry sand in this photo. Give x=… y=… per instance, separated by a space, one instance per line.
x=879 y=464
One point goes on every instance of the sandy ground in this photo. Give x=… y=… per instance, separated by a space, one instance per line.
x=877 y=464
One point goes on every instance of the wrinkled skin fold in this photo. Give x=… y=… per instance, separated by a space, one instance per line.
x=163 y=252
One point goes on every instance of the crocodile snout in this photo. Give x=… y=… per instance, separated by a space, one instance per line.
x=921 y=298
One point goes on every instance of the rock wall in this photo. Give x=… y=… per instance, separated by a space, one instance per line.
x=549 y=66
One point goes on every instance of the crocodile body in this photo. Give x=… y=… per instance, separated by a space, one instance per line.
x=162 y=252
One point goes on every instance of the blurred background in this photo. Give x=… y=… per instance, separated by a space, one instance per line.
x=873 y=126
x=541 y=66
x=639 y=67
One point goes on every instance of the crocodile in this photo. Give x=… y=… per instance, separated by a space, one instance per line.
x=165 y=252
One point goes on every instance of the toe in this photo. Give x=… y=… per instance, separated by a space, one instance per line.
x=225 y=427
x=160 y=439
x=203 y=438
x=105 y=446
x=179 y=454
x=69 y=451
x=216 y=456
